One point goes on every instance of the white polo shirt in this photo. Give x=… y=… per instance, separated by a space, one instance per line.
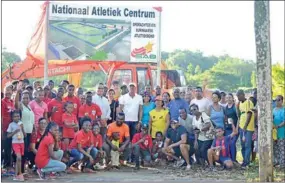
x=104 y=105
x=131 y=106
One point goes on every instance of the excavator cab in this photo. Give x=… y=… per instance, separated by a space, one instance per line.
x=127 y=73
x=142 y=75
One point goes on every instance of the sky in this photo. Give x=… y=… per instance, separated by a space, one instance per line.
x=215 y=28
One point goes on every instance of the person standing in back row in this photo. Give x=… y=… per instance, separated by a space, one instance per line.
x=73 y=99
x=176 y=104
x=246 y=126
x=131 y=103
x=202 y=102
x=103 y=103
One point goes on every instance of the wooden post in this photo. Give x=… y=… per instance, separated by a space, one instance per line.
x=264 y=88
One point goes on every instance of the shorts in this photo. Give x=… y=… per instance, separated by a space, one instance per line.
x=224 y=159
x=177 y=151
x=19 y=148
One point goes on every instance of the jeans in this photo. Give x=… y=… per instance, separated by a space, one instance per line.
x=26 y=155
x=202 y=153
x=55 y=165
x=138 y=152
x=77 y=156
x=233 y=148
x=132 y=126
x=246 y=146
x=7 y=147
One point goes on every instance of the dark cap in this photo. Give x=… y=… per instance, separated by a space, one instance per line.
x=29 y=86
x=123 y=86
x=15 y=82
x=115 y=82
x=26 y=81
x=175 y=121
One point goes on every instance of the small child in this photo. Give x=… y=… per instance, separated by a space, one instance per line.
x=157 y=147
x=115 y=155
x=16 y=131
x=98 y=142
x=70 y=125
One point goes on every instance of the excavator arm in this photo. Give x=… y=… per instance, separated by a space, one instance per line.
x=26 y=69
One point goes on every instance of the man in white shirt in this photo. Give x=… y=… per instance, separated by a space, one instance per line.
x=131 y=104
x=202 y=102
x=103 y=103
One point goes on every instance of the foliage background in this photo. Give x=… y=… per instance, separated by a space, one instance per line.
x=222 y=72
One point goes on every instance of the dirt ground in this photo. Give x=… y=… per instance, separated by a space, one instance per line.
x=161 y=174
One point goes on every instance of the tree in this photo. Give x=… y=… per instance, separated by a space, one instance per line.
x=197 y=69
x=278 y=83
x=8 y=58
x=253 y=79
x=264 y=85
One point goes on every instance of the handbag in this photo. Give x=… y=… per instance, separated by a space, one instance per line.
x=210 y=134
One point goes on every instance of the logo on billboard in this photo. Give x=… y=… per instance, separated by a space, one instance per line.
x=144 y=52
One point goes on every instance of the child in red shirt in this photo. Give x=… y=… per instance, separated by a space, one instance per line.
x=70 y=125
x=142 y=146
x=98 y=142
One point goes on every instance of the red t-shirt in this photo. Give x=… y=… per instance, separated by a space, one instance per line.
x=35 y=138
x=42 y=156
x=85 y=139
x=57 y=116
x=69 y=119
x=76 y=103
x=7 y=106
x=46 y=100
x=98 y=141
x=92 y=111
x=147 y=144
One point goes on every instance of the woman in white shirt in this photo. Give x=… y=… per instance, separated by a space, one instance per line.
x=28 y=119
x=203 y=139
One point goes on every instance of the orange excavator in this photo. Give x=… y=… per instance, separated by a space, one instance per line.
x=140 y=73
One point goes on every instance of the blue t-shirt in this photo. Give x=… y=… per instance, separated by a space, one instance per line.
x=175 y=105
x=278 y=118
x=146 y=110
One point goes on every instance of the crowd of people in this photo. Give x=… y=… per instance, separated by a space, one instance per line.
x=71 y=130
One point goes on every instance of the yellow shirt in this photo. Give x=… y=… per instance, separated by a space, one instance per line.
x=116 y=143
x=158 y=121
x=244 y=108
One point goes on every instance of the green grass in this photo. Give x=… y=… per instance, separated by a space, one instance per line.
x=99 y=55
x=82 y=29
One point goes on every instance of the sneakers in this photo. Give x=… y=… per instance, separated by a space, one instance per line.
x=188 y=167
x=179 y=163
x=244 y=166
x=19 y=178
x=97 y=166
x=41 y=174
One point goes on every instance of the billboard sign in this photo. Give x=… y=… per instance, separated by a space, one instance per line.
x=94 y=32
